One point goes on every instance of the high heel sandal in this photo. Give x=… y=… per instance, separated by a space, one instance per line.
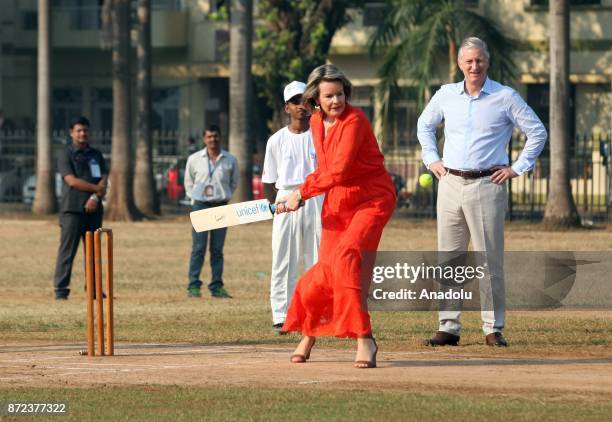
x=299 y=358
x=365 y=364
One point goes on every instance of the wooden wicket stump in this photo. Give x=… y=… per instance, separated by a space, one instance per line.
x=94 y=292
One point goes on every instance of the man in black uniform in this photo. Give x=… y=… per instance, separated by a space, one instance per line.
x=84 y=174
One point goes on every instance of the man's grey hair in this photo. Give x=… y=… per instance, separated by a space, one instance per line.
x=473 y=43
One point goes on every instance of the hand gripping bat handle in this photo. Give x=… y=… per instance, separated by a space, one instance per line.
x=273 y=206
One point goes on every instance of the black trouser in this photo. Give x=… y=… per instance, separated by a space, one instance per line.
x=73 y=228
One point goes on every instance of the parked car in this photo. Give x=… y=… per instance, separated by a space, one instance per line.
x=29 y=188
x=10 y=180
x=174 y=178
x=403 y=197
x=257 y=184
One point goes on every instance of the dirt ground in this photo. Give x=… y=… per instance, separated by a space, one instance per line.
x=44 y=365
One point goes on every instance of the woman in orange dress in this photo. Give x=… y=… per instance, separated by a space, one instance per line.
x=330 y=299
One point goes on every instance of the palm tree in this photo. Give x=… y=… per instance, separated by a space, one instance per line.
x=121 y=199
x=560 y=207
x=240 y=95
x=145 y=196
x=44 y=199
x=291 y=39
x=415 y=33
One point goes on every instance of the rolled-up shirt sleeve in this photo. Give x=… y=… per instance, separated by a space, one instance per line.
x=63 y=164
x=429 y=120
x=235 y=176
x=529 y=123
x=270 y=166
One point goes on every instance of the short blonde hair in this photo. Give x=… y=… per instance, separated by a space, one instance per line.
x=325 y=73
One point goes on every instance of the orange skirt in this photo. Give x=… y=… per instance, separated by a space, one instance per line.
x=330 y=298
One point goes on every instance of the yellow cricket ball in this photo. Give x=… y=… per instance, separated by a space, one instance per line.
x=425 y=180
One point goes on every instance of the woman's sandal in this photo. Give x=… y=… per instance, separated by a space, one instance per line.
x=299 y=358
x=365 y=364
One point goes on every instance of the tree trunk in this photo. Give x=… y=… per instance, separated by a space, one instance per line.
x=279 y=119
x=121 y=201
x=145 y=195
x=560 y=208
x=240 y=95
x=452 y=55
x=44 y=199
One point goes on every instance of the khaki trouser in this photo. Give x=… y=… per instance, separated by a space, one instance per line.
x=475 y=209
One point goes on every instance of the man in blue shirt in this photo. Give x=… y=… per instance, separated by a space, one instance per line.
x=211 y=178
x=479 y=115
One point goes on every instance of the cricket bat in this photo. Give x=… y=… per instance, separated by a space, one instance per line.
x=232 y=215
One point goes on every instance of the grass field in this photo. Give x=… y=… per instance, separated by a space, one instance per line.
x=151 y=307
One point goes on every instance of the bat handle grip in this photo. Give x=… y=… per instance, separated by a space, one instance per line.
x=273 y=206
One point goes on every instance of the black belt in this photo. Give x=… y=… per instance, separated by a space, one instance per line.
x=212 y=204
x=471 y=174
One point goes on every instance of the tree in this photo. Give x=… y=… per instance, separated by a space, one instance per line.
x=145 y=195
x=240 y=95
x=121 y=199
x=293 y=39
x=415 y=33
x=44 y=199
x=560 y=207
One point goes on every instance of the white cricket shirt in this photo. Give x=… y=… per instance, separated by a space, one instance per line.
x=290 y=157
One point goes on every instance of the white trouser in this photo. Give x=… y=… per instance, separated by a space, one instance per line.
x=293 y=233
x=475 y=209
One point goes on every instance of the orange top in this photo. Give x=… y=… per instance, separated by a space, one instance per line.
x=347 y=154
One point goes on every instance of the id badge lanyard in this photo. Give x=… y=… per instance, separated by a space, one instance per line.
x=211 y=169
x=209 y=189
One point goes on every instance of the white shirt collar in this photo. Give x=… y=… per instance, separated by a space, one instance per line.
x=486 y=87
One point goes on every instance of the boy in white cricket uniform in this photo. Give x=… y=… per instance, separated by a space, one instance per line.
x=290 y=157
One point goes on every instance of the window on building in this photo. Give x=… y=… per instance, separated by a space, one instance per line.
x=29 y=20
x=538 y=98
x=66 y=103
x=102 y=117
x=102 y=109
x=572 y=2
x=215 y=5
x=374 y=13
x=28 y=15
x=84 y=15
x=402 y=127
x=362 y=97
x=166 y=4
x=221 y=45
x=165 y=119
x=165 y=109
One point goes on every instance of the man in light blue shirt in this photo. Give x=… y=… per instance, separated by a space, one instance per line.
x=211 y=178
x=479 y=115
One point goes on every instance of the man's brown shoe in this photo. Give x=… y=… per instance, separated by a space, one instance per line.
x=442 y=338
x=496 y=339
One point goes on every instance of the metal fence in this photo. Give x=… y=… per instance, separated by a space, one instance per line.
x=590 y=180
x=590 y=173
x=18 y=159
